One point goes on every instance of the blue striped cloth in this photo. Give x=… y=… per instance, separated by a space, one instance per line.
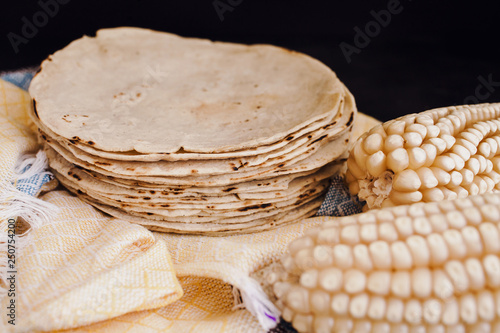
x=21 y=78
x=33 y=184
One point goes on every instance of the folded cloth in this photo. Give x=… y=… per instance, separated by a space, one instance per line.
x=84 y=271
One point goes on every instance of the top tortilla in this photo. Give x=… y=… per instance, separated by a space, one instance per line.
x=132 y=89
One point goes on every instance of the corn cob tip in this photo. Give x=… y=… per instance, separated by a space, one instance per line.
x=435 y=155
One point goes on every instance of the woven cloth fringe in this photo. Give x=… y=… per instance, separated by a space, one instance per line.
x=21 y=212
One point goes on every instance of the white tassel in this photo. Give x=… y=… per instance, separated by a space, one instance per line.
x=39 y=164
x=250 y=295
x=17 y=205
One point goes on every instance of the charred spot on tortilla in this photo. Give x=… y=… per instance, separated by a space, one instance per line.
x=244 y=209
x=102 y=163
x=351 y=119
x=317 y=140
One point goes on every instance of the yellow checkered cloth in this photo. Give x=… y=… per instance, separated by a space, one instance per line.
x=87 y=272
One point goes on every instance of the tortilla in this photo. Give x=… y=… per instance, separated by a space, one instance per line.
x=191 y=136
x=319 y=157
x=241 y=207
x=195 y=195
x=213 y=228
x=152 y=82
x=342 y=121
x=201 y=167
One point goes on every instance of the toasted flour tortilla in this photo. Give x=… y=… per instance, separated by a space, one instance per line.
x=202 y=96
x=191 y=214
x=159 y=203
x=299 y=147
x=213 y=228
x=343 y=120
x=255 y=187
x=320 y=157
x=201 y=167
x=186 y=156
x=193 y=197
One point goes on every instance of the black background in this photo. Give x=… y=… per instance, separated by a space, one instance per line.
x=431 y=54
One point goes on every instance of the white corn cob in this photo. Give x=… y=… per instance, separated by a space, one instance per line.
x=425 y=267
x=435 y=155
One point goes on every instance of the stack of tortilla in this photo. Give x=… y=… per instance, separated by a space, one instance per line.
x=192 y=136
